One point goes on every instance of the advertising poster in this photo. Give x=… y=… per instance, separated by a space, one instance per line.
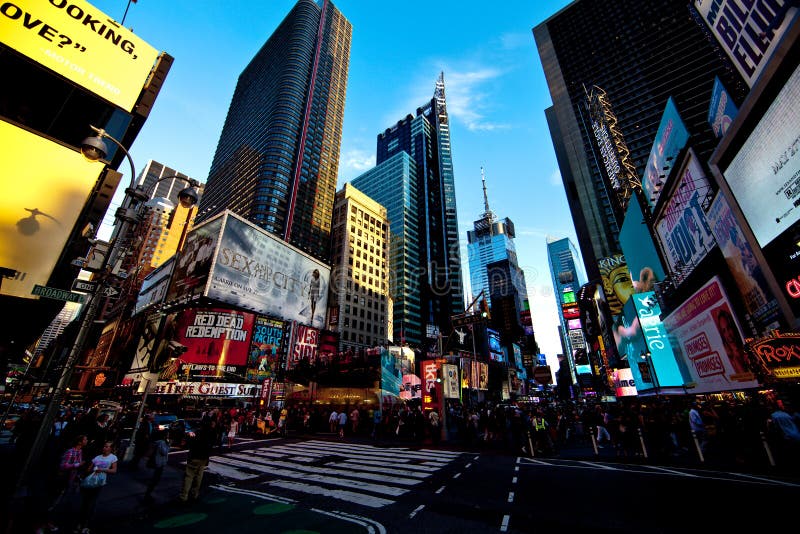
x=391 y=372
x=709 y=339
x=639 y=250
x=193 y=263
x=257 y=271
x=305 y=344
x=495 y=349
x=452 y=389
x=217 y=342
x=624 y=384
x=82 y=44
x=671 y=137
x=39 y=205
x=683 y=229
x=779 y=355
x=154 y=287
x=764 y=176
x=750 y=280
x=411 y=387
x=617 y=283
x=738 y=27
x=266 y=348
x=722 y=110
x=146 y=348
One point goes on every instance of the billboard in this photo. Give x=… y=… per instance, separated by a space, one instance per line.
x=708 y=338
x=82 y=44
x=146 y=349
x=779 y=355
x=39 y=205
x=764 y=176
x=671 y=137
x=154 y=287
x=267 y=345
x=495 y=348
x=722 y=109
x=305 y=343
x=684 y=232
x=639 y=250
x=783 y=259
x=741 y=30
x=217 y=342
x=193 y=263
x=750 y=281
x=255 y=270
x=617 y=283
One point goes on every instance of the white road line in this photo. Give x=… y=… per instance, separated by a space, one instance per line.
x=440 y=490
x=504 y=524
x=417 y=509
x=219 y=469
x=599 y=466
x=375 y=451
x=518 y=459
x=343 y=495
x=457 y=475
x=476 y=458
x=352 y=465
x=510 y=496
x=516 y=469
x=673 y=471
x=372 y=526
x=768 y=480
x=253 y=493
x=270 y=466
x=514 y=480
x=310 y=475
x=468 y=465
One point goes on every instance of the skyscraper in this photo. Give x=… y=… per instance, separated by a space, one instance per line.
x=360 y=276
x=640 y=52
x=393 y=185
x=277 y=160
x=426 y=138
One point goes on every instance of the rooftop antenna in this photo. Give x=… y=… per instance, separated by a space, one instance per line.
x=487 y=212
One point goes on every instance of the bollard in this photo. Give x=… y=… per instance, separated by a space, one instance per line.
x=530 y=444
x=594 y=441
x=767 y=449
x=641 y=440
x=697 y=445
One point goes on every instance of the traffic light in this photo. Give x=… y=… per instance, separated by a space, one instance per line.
x=484 y=306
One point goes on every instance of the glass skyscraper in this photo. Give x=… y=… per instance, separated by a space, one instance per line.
x=426 y=138
x=277 y=160
x=393 y=185
x=640 y=52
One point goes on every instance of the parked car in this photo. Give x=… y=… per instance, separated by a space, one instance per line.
x=181 y=431
x=10 y=421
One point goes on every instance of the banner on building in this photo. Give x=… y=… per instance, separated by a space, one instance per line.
x=722 y=110
x=267 y=345
x=452 y=389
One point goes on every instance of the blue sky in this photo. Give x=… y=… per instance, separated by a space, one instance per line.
x=496 y=96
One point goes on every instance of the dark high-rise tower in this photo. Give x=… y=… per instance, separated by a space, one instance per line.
x=426 y=138
x=640 y=52
x=277 y=159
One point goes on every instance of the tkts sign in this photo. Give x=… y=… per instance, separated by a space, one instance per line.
x=779 y=355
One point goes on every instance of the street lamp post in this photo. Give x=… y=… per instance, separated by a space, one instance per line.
x=94 y=149
x=648 y=357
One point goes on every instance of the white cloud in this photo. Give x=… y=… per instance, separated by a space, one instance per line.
x=510 y=41
x=555 y=178
x=469 y=95
x=355 y=161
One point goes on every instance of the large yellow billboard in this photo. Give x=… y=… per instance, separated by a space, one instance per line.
x=43 y=187
x=81 y=43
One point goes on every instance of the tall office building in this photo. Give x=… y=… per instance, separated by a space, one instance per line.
x=360 y=274
x=161 y=181
x=568 y=277
x=393 y=184
x=640 y=52
x=492 y=241
x=277 y=159
x=426 y=138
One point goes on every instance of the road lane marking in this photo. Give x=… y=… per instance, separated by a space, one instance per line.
x=516 y=469
x=599 y=466
x=510 y=496
x=440 y=490
x=373 y=527
x=253 y=493
x=673 y=471
x=457 y=475
x=343 y=495
x=418 y=509
x=504 y=524
x=514 y=480
x=468 y=465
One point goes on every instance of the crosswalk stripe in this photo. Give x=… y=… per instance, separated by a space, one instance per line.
x=344 y=495
x=223 y=470
x=421 y=453
x=376 y=453
x=311 y=455
x=397 y=463
x=351 y=465
x=311 y=475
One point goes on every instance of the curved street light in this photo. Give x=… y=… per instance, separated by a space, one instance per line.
x=93 y=148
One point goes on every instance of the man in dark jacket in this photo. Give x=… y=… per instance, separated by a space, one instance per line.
x=197 y=461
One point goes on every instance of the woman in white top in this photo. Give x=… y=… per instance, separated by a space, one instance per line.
x=232 y=430
x=102 y=465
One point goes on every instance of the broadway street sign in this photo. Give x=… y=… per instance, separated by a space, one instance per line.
x=56 y=294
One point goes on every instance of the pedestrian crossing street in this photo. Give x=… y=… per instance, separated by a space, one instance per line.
x=362 y=474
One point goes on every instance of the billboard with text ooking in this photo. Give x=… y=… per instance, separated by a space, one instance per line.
x=708 y=338
x=255 y=270
x=683 y=229
x=741 y=30
x=671 y=137
x=764 y=175
x=82 y=44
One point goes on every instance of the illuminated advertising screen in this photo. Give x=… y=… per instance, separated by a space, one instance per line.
x=738 y=28
x=639 y=250
x=783 y=258
x=410 y=387
x=193 y=263
x=255 y=270
x=671 y=137
x=617 y=283
x=571 y=312
x=764 y=176
x=391 y=372
x=305 y=343
x=750 y=281
x=495 y=348
x=266 y=347
x=43 y=189
x=568 y=296
x=708 y=338
x=82 y=44
x=573 y=324
x=154 y=287
x=778 y=355
x=217 y=343
x=722 y=110
x=624 y=383
x=683 y=229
